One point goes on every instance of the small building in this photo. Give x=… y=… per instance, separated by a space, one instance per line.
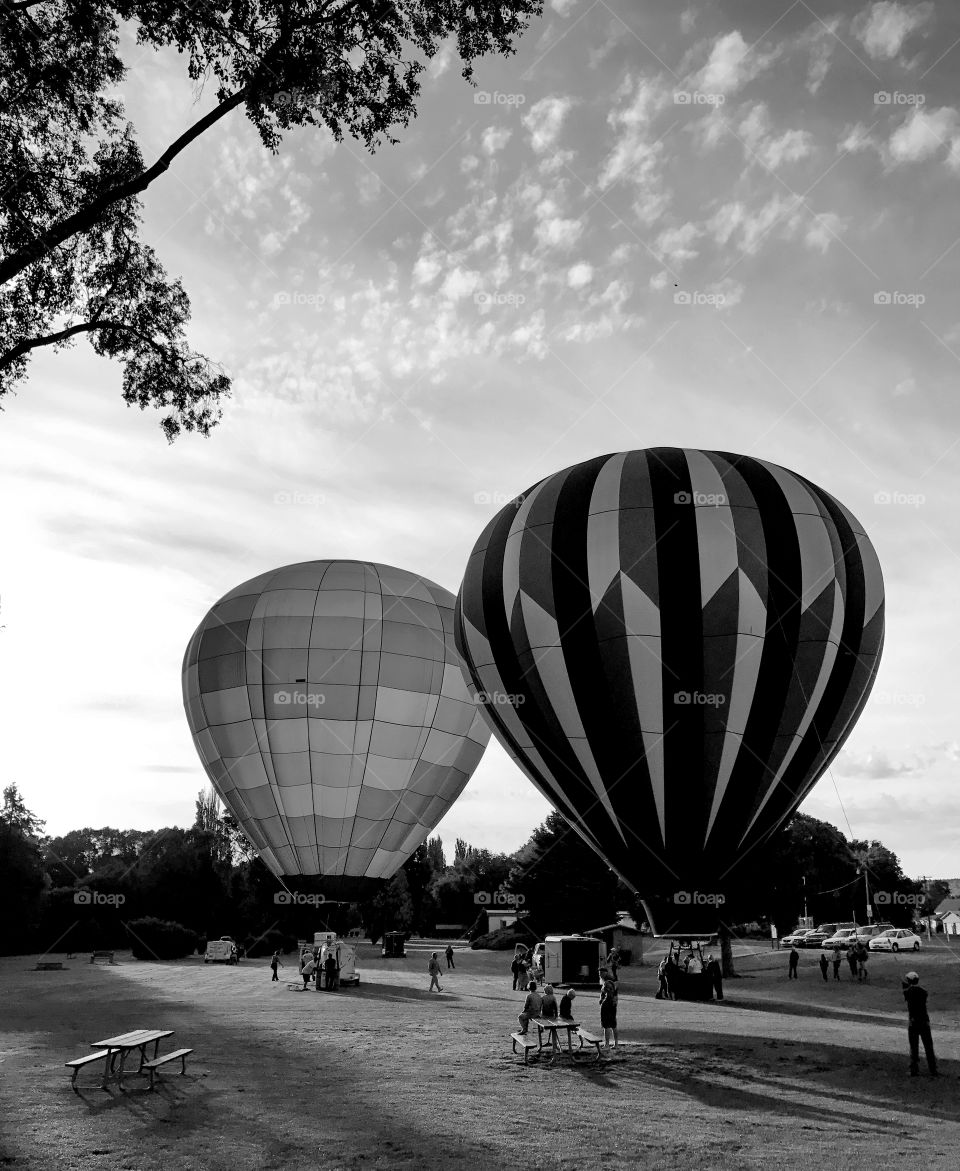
x=624 y=935
x=498 y=918
x=947 y=915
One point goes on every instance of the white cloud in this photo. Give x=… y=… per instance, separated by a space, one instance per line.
x=557 y=232
x=732 y=64
x=674 y=244
x=688 y=19
x=495 y=138
x=824 y=230
x=459 y=283
x=767 y=149
x=579 y=275
x=923 y=134
x=883 y=27
x=545 y=120
x=856 y=138
x=822 y=41
x=563 y=7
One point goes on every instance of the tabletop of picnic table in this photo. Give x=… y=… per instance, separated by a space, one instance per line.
x=134 y=1039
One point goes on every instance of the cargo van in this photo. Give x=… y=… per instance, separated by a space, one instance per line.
x=220 y=951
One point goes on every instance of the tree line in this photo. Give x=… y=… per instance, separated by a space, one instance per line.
x=108 y=887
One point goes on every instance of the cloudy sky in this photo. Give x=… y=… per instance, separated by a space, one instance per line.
x=729 y=225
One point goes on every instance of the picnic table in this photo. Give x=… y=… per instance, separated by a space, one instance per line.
x=126 y=1043
x=552 y=1026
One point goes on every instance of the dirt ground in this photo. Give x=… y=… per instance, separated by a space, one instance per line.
x=782 y=1074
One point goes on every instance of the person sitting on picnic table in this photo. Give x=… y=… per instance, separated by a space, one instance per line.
x=548 y=1005
x=566 y=1005
x=532 y=1007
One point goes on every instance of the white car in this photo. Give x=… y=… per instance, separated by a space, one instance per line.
x=841 y=939
x=897 y=939
x=795 y=938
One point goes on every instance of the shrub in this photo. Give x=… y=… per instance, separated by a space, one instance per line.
x=159 y=939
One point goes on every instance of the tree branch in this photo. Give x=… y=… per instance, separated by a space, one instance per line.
x=89 y=215
x=51 y=339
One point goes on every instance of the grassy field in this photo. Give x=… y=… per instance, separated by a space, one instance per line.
x=782 y=1074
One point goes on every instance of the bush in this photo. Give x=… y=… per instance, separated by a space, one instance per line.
x=159 y=939
x=503 y=939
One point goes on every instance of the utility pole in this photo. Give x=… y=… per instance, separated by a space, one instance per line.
x=804 y=881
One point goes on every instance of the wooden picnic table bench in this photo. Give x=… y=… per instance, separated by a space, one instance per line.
x=79 y=1062
x=102 y=955
x=587 y=1038
x=526 y=1042
x=154 y=1066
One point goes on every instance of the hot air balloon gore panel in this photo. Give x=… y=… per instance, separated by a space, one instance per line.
x=330 y=711
x=673 y=645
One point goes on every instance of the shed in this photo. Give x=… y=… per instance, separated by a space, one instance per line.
x=624 y=935
x=498 y=917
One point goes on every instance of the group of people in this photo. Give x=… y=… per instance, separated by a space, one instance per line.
x=322 y=965
x=857 y=955
x=525 y=967
x=689 y=962
x=545 y=1006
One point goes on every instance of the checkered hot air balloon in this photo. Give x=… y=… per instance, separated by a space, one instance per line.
x=673 y=645
x=328 y=706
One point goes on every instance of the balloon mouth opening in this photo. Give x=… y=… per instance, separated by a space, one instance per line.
x=683 y=920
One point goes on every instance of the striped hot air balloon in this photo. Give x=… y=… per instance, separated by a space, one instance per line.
x=329 y=708
x=673 y=645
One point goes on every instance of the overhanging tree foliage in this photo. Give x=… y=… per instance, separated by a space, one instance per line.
x=71 y=173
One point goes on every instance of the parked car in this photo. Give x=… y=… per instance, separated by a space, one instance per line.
x=864 y=934
x=896 y=939
x=842 y=938
x=796 y=938
x=823 y=932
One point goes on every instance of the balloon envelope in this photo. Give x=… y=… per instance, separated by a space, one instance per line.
x=327 y=703
x=673 y=645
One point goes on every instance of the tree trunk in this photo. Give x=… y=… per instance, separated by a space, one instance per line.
x=726 y=955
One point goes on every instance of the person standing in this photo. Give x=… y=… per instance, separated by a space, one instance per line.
x=715 y=973
x=613 y=962
x=824 y=962
x=515 y=968
x=307 y=971
x=449 y=954
x=852 y=960
x=663 y=988
x=608 y=1011
x=861 y=962
x=794 y=961
x=837 y=960
x=274 y=964
x=918 y=1025
x=434 y=969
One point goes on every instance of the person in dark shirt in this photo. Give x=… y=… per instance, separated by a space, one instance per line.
x=548 y=1007
x=918 y=1025
x=566 y=1004
x=794 y=960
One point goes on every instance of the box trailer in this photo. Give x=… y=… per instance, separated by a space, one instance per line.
x=572 y=959
x=345 y=953
x=220 y=951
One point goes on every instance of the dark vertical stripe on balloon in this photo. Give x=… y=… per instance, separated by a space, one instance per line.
x=542 y=726
x=686 y=804
x=842 y=701
x=752 y=775
x=582 y=654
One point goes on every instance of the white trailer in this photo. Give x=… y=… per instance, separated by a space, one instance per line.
x=345 y=953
